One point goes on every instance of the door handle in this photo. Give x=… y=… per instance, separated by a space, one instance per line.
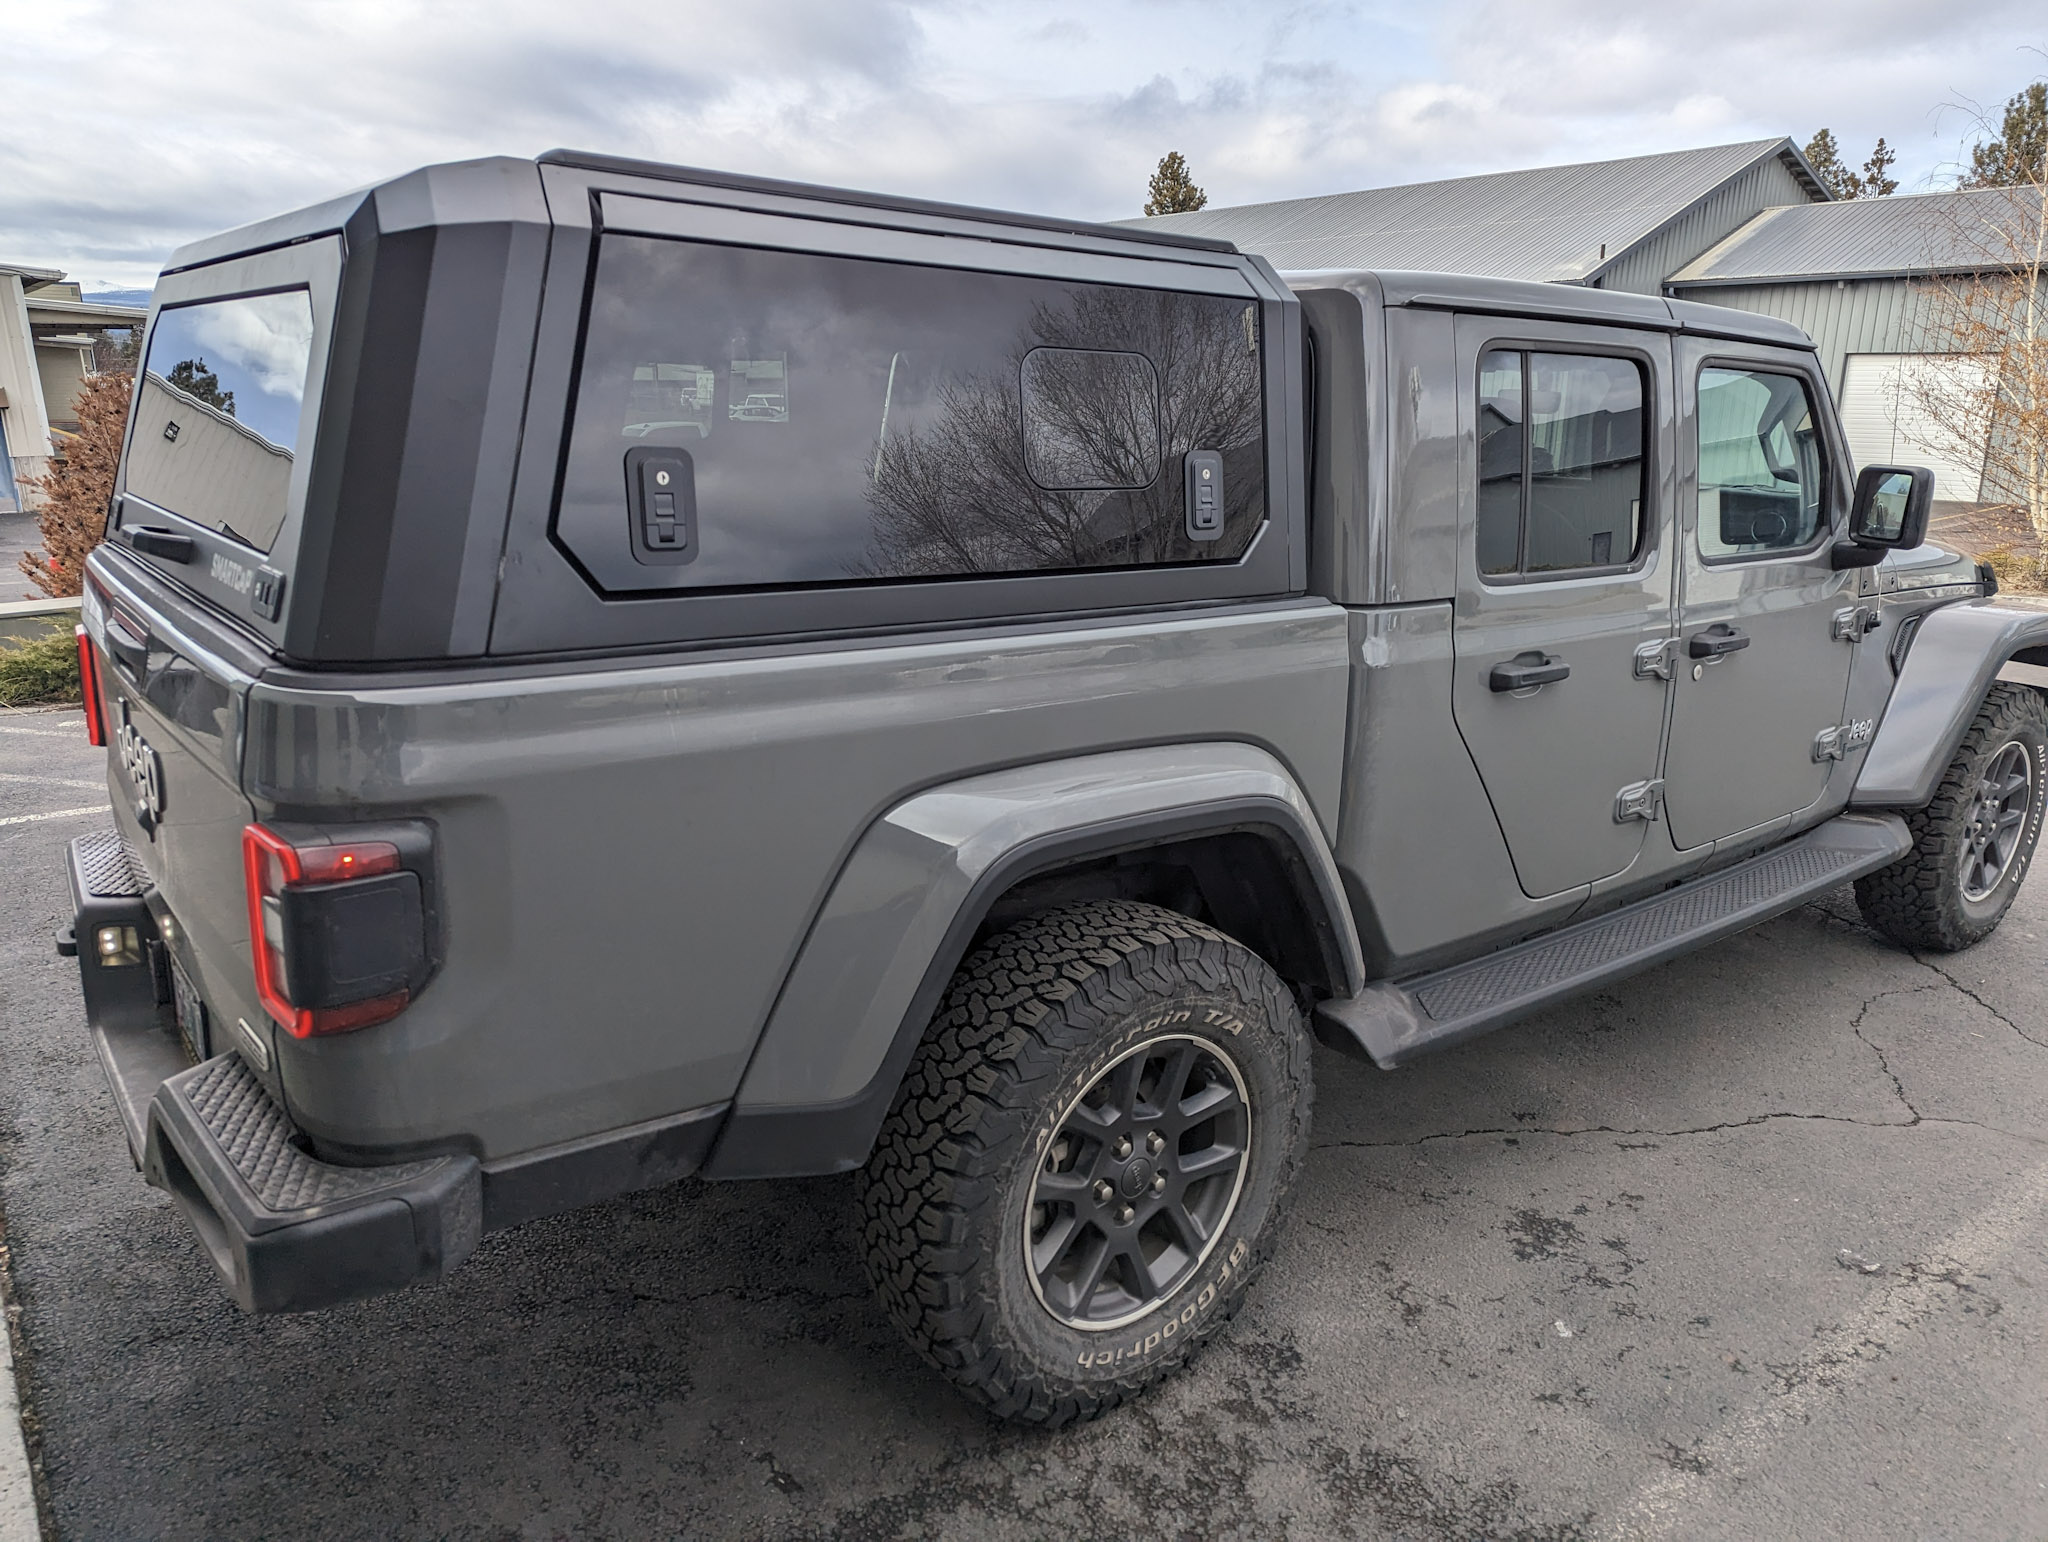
x=1525 y=670
x=1716 y=640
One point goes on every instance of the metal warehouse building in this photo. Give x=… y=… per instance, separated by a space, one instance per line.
x=1746 y=225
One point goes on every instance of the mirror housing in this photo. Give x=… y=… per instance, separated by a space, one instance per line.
x=1890 y=513
x=1892 y=506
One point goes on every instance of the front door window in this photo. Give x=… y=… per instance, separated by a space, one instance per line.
x=1760 y=464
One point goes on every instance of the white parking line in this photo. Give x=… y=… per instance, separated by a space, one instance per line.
x=1914 y=1294
x=17 y=1490
x=43 y=733
x=61 y=813
x=49 y=781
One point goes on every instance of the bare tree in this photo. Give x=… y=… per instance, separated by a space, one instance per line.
x=967 y=491
x=1981 y=381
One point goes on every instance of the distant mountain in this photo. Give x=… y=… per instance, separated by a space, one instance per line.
x=120 y=297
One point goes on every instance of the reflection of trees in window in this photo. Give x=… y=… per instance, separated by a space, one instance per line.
x=200 y=383
x=956 y=494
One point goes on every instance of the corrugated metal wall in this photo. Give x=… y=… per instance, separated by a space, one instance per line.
x=1767 y=185
x=1876 y=315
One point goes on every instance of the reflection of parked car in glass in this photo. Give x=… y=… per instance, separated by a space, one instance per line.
x=992 y=783
x=669 y=397
x=762 y=408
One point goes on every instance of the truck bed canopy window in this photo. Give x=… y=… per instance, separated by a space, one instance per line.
x=844 y=420
x=217 y=412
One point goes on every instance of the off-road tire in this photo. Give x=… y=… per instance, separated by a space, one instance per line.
x=1920 y=900
x=1030 y=1021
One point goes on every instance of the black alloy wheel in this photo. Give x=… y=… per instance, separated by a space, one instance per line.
x=1997 y=820
x=1089 y=1158
x=1975 y=839
x=1141 y=1177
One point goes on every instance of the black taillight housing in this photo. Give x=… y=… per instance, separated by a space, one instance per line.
x=343 y=921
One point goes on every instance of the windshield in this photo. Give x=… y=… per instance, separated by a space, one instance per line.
x=217 y=415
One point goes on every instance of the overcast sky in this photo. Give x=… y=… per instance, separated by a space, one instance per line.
x=132 y=125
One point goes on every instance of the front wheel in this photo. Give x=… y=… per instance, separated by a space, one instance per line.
x=1973 y=843
x=1089 y=1157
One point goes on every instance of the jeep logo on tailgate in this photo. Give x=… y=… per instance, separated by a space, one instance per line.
x=145 y=770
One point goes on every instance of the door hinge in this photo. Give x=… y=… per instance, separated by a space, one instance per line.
x=1836 y=742
x=1656 y=660
x=1639 y=800
x=1854 y=623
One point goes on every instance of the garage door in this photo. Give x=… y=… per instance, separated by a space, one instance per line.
x=1885 y=414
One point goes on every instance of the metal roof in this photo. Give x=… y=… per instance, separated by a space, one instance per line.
x=1872 y=238
x=1554 y=223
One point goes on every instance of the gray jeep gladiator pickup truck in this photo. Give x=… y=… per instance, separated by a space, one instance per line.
x=613 y=672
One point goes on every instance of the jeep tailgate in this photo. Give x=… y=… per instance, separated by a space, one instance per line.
x=173 y=681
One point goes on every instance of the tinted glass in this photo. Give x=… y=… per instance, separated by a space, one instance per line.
x=1560 y=462
x=1091 y=419
x=1760 y=463
x=217 y=414
x=1500 y=463
x=848 y=419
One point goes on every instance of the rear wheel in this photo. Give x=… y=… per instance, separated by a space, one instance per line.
x=1973 y=843
x=1089 y=1157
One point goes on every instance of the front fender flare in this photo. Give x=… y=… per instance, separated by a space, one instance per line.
x=918 y=884
x=1956 y=654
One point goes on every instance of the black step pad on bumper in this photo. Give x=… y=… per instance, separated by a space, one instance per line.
x=1395 y=1021
x=288 y=1232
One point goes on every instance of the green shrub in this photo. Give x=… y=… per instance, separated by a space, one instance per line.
x=43 y=669
x=2018 y=573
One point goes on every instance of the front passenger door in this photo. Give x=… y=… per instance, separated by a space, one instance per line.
x=1763 y=649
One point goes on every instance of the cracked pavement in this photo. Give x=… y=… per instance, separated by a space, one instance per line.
x=1753 y=1244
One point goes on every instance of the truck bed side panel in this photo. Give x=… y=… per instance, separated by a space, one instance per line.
x=663 y=835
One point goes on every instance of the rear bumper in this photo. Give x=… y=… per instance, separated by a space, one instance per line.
x=286 y=1231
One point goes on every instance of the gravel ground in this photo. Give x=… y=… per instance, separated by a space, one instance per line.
x=1755 y=1244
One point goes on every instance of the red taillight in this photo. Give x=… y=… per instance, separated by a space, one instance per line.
x=89 y=686
x=271 y=866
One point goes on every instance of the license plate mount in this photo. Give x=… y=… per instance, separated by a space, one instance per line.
x=190 y=1009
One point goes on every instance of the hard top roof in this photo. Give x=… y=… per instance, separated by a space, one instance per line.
x=1552 y=302
x=464 y=191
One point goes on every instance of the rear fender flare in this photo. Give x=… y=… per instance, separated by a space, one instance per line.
x=1956 y=654
x=917 y=886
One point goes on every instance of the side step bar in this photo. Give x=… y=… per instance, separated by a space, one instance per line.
x=1392 y=1022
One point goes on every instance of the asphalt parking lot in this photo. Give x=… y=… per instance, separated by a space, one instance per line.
x=1753 y=1245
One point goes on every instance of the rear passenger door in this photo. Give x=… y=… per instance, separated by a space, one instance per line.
x=1768 y=626
x=1564 y=592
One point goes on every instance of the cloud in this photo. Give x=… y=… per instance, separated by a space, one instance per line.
x=134 y=126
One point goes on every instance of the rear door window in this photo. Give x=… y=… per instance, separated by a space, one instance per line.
x=217 y=413
x=1561 y=466
x=848 y=420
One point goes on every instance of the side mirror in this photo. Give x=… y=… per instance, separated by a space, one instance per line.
x=1890 y=514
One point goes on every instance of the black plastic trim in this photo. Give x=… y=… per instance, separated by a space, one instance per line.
x=587 y=160
x=598 y=1167
x=836 y=1137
